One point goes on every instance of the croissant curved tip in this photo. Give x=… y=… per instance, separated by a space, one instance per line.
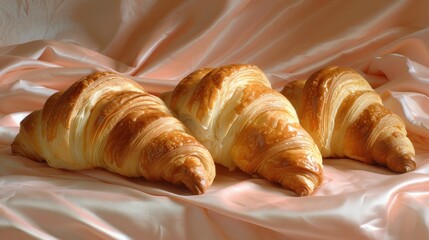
x=197 y=185
x=302 y=192
x=301 y=189
x=406 y=168
x=194 y=178
x=304 y=183
x=197 y=189
x=403 y=164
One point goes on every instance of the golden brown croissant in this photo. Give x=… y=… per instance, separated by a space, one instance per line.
x=243 y=122
x=346 y=118
x=107 y=120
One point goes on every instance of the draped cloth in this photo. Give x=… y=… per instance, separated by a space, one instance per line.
x=45 y=46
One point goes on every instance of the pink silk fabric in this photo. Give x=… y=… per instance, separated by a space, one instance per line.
x=45 y=46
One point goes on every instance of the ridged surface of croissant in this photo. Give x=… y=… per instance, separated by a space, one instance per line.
x=244 y=123
x=109 y=121
x=346 y=118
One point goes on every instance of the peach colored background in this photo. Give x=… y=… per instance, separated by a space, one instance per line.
x=47 y=45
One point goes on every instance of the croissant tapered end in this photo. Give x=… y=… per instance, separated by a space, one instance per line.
x=26 y=142
x=195 y=178
x=402 y=163
x=305 y=184
x=303 y=191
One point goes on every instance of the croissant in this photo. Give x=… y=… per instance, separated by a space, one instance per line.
x=108 y=121
x=234 y=112
x=346 y=118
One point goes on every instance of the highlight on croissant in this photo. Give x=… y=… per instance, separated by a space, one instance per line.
x=229 y=116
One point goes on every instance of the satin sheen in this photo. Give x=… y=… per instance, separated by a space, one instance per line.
x=45 y=46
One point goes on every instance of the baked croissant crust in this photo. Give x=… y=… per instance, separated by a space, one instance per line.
x=346 y=118
x=244 y=123
x=106 y=120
